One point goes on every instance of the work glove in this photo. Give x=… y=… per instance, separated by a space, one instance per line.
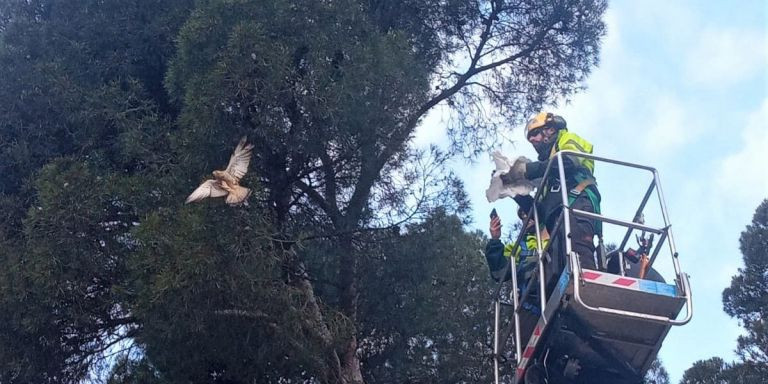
x=516 y=172
x=518 y=168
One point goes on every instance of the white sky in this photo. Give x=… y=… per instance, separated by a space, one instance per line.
x=683 y=87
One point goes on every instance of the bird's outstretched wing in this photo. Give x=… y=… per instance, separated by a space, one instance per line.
x=501 y=161
x=238 y=163
x=210 y=188
x=238 y=195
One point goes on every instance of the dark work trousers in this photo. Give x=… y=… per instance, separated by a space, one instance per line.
x=582 y=235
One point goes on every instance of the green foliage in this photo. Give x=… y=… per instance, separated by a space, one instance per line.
x=76 y=76
x=111 y=111
x=712 y=371
x=64 y=273
x=717 y=371
x=747 y=297
x=127 y=370
x=656 y=374
x=424 y=307
x=747 y=300
x=324 y=104
x=212 y=300
x=82 y=150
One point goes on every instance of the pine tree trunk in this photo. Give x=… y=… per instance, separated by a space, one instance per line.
x=350 y=362
x=316 y=321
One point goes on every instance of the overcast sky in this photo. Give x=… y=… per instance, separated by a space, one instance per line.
x=681 y=86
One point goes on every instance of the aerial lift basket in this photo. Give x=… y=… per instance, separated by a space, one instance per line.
x=593 y=326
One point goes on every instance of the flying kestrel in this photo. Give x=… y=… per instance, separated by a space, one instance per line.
x=227 y=182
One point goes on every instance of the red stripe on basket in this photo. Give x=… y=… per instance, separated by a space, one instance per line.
x=591 y=275
x=623 y=282
x=528 y=353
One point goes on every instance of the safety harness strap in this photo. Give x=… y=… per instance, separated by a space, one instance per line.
x=576 y=191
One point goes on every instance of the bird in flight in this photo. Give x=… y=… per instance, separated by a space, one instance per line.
x=227 y=182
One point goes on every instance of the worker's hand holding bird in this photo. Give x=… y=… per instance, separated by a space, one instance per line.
x=227 y=182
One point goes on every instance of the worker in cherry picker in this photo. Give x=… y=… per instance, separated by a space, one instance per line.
x=548 y=133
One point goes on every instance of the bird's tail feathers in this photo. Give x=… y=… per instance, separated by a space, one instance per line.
x=238 y=195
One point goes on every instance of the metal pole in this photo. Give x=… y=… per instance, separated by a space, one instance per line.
x=665 y=216
x=497 y=307
x=607 y=160
x=638 y=213
x=516 y=303
x=566 y=212
x=658 y=247
x=595 y=216
x=620 y=254
x=542 y=300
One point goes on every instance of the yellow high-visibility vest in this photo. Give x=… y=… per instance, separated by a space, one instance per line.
x=567 y=141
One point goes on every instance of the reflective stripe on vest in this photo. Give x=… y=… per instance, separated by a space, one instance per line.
x=528 y=246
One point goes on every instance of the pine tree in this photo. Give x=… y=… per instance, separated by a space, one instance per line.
x=747 y=300
x=111 y=111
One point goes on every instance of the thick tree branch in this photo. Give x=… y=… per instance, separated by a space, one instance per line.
x=474 y=69
x=330 y=183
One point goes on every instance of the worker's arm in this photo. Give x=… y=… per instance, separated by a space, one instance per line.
x=494 y=254
x=535 y=169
